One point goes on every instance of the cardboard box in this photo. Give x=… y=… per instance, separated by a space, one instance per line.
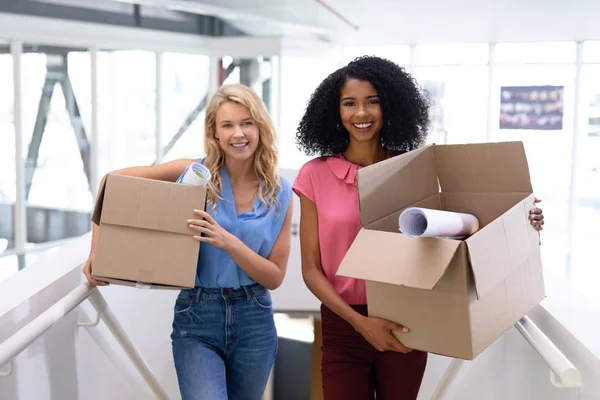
x=456 y=296
x=144 y=238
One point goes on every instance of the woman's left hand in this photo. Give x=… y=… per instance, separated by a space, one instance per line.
x=215 y=234
x=536 y=217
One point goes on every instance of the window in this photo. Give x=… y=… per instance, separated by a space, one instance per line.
x=7 y=149
x=126 y=108
x=458 y=96
x=56 y=111
x=542 y=53
x=591 y=52
x=586 y=216
x=548 y=151
x=296 y=93
x=451 y=54
x=56 y=138
x=185 y=86
x=398 y=54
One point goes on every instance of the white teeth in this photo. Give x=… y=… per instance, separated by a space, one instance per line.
x=239 y=144
x=363 y=126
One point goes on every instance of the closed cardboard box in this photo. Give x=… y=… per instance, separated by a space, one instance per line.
x=456 y=296
x=144 y=238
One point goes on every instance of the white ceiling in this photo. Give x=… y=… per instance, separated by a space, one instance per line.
x=385 y=22
x=426 y=21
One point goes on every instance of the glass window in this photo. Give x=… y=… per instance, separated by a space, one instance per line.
x=586 y=234
x=185 y=86
x=398 y=54
x=591 y=52
x=548 y=149
x=57 y=140
x=126 y=108
x=444 y=54
x=458 y=96
x=252 y=72
x=56 y=111
x=11 y=264
x=543 y=53
x=7 y=149
x=295 y=95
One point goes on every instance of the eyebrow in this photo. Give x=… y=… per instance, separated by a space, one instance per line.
x=229 y=122
x=354 y=98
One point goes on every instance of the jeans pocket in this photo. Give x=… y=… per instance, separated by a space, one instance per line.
x=262 y=298
x=184 y=302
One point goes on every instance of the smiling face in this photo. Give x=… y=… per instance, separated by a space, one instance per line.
x=360 y=111
x=236 y=131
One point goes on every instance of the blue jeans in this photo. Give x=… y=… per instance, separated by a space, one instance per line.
x=224 y=342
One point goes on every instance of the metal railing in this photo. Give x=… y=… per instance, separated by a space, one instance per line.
x=563 y=373
x=19 y=341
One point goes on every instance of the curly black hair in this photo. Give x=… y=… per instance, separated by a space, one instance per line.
x=404 y=106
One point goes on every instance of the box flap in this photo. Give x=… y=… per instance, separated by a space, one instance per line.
x=483 y=167
x=502 y=246
x=398 y=259
x=150 y=204
x=395 y=183
x=99 y=201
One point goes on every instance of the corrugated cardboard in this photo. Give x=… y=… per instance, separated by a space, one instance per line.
x=144 y=236
x=456 y=296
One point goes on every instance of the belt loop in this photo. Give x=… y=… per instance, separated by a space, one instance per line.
x=248 y=292
x=197 y=294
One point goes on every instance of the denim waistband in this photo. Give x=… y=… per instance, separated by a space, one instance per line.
x=243 y=291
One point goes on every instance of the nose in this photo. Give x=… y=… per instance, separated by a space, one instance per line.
x=238 y=132
x=361 y=110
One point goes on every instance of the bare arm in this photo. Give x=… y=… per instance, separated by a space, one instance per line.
x=169 y=171
x=375 y=330
x=269 y=272
x=312 y=271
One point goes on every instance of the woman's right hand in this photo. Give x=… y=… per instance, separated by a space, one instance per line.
x=378 y=332
x=87 y=271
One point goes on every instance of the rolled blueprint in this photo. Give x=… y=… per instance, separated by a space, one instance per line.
x=195 y=174
x=425 y=222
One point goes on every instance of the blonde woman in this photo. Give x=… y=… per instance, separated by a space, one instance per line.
x=224 y=338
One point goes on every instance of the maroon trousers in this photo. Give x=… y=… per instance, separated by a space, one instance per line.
x=352 y=369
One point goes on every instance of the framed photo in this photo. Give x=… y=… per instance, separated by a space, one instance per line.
x=531 y=107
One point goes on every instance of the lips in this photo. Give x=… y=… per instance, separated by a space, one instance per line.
x=363 y=126
x=239 y=145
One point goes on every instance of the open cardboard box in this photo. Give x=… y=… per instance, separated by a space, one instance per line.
x=456 y=296
x=144 y=239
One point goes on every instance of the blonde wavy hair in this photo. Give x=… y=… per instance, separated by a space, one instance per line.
x=265 y=156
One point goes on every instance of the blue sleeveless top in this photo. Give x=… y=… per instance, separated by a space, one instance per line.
x=256 y=229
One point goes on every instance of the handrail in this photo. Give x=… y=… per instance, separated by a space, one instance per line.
x=562 y=372
x=568 y=375
x=19 y=341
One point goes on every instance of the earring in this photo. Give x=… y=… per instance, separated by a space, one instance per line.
x=337 y=126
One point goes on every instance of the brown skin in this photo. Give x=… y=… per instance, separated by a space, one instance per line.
x=359 y=105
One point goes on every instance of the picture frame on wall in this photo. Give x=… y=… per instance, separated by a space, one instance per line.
x=531 y=107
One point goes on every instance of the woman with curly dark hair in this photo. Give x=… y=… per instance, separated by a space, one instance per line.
x=361 y=114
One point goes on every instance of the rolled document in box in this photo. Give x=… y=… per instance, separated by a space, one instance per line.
x=425 y=222
x=195 y=174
